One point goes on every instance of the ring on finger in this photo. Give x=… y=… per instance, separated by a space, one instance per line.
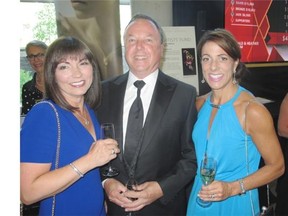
x=212 y=196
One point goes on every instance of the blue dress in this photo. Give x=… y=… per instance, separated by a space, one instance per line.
x=227 y=145
x=38 y=140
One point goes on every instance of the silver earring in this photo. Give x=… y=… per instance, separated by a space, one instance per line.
x=203 y=80
x=234 y=81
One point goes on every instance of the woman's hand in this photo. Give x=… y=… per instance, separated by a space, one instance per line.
x=102 y=151
x=216 y=191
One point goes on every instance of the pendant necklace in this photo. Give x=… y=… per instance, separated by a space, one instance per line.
x=217 y=106
x=86 y=121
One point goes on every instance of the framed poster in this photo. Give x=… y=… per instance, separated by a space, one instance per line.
x=180 y=58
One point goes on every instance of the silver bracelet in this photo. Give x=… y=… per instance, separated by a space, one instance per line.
x=243 y=190
x=76 y=170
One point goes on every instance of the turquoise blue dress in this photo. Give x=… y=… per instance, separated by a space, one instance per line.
x=227 y=145
x=38 y=139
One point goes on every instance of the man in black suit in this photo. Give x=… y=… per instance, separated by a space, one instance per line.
x=165 y=160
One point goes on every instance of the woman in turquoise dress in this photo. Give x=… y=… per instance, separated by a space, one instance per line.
x=228 y=116
x=72 y=87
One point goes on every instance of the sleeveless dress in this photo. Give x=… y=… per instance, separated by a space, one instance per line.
x=38 y=142
x=227 y=145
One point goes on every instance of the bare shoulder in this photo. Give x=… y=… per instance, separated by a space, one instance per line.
x=257 y=115
x=255 y=109
x=246 y=99
x=200 y=101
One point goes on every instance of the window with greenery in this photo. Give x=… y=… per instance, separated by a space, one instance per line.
x=38 y=24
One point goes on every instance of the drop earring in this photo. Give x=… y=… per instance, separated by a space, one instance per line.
x=203 y=80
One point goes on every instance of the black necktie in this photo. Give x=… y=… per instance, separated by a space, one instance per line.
x=134 y=124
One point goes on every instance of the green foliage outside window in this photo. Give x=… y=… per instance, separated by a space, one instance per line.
x=46 y=28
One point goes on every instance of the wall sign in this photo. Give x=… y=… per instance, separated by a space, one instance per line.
x=180 y=59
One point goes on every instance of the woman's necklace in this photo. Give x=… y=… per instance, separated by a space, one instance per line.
x=86 y=121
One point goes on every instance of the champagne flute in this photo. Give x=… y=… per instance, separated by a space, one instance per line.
x=207 y=172
x=108 y=131
x=131 y=184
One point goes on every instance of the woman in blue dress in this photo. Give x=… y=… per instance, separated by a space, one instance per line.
x=72 y=86
x=226 y=115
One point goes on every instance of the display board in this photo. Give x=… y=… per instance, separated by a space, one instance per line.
x=261 y=28
x=180 y=56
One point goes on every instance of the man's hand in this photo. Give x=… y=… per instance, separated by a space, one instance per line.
x=115 y=190
x=146 y=193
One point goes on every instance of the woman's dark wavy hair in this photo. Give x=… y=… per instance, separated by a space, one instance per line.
x=228 y=43
x=62 y=48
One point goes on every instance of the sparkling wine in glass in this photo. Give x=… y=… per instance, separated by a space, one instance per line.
x=207 y=172
x=108 y=131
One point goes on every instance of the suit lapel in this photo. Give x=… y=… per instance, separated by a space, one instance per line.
x=116 y=106
x=160 y=100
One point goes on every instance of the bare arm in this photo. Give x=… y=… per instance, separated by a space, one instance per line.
x=261 y=128
x=38 y=182
x=283 y=118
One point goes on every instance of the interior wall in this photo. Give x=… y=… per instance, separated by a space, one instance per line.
x=160 y=10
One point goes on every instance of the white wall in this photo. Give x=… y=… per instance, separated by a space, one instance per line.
x=160 y=10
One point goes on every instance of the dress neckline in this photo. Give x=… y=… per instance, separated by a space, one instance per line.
x=227 y=103
x=219 y=107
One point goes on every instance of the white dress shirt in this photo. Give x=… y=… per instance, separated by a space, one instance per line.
x=131 y=94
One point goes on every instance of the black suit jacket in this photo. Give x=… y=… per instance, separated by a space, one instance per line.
x=167 y=152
